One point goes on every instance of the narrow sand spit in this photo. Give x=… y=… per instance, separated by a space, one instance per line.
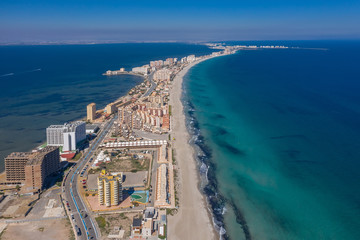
x=193 y=221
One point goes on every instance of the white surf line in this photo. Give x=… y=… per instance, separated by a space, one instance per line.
x=8 y=74
x=29 y=71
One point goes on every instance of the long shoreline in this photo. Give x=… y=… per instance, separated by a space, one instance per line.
x=194 y=218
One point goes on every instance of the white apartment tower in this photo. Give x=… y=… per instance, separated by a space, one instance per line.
x=54 y=135
x=67 y=135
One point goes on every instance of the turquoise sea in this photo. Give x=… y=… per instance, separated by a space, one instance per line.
x=277 y=134
x=277 y=130
x=44 y=85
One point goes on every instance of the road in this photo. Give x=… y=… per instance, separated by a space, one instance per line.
x=76 y=205
x=151 y=136
x=153 y=85
x=155 y=165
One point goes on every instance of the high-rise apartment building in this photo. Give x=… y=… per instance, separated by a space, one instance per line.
x=110 y=108
x=110 y=189
x=163 y=75
x=40 y=166
x=32 y=168
x=91 y=112
x=137 y=121
x=190 y=58
x=142 y=70
x=54 y=135
x=67 y=135
x=73 y=134
x=15 y=166
x=128 y=117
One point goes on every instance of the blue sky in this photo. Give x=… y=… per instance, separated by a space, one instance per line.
x=131 y=20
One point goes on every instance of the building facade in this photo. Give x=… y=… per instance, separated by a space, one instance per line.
x=110 y=108
x=91 y=112
x=54 y=135
x=67 y=135
x=32 y=168
x=163 y=75
x=166 y=122
x=161 y=197
x=110 y=189
x=190 y=58
x=73 y=134
x=40 y=166
x=15 y=166
x=142 y=70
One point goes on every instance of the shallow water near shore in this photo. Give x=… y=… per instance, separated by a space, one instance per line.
x=278 y=130
x=44 y=85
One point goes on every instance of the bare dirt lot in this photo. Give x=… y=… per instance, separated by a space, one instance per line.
x=49 y=205
x=107 y=223
x=128 y=164
x=58 y=229
x=16 y=206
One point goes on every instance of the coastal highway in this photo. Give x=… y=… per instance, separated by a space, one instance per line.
x=82 y=217
x=152 y=87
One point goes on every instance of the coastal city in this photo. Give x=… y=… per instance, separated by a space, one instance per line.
x=179 y=120
x=111 y=175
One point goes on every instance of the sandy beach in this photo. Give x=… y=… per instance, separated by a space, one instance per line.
x=193 y=221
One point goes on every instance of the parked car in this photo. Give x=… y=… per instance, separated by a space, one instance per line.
x=78 y=231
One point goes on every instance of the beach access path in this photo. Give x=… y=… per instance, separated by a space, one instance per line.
x=192 y=221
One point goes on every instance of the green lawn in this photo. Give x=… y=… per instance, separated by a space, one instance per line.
x=77 y=156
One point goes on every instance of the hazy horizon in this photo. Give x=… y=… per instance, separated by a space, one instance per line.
x=98 y=21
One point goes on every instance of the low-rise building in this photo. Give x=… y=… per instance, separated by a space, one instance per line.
x=161 y=196
x=147 y=227
x=166 y=123
x=91 y=128
x=136 y=227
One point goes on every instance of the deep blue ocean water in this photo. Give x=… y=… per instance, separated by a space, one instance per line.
x=279 y=130
x=44 y=85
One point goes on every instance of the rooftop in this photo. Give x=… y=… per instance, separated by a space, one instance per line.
x=149 y=212
x=38 y=156
x=136 y=222
x=108 y=178
x=91 y=126
x=56 y=126
x=147 y=223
